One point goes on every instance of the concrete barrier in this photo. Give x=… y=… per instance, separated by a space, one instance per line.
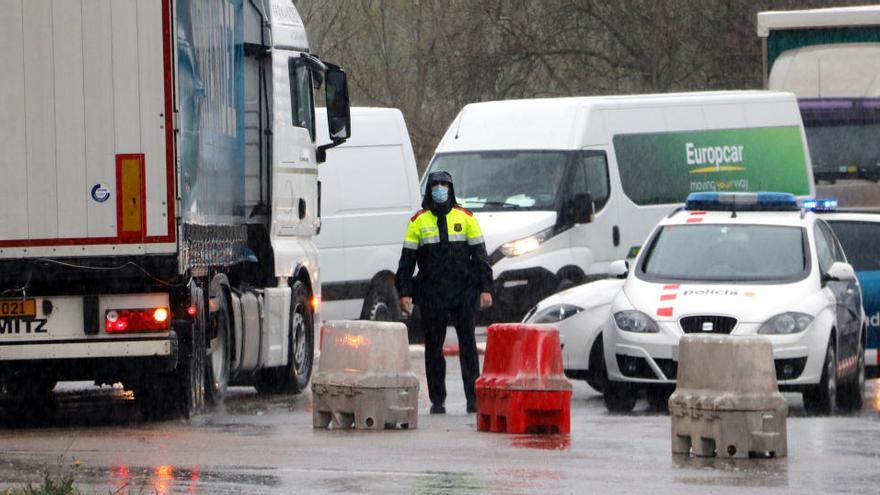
x=364 y=378
x=727 y=402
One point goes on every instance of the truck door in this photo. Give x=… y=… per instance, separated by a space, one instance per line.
x=294 y=169
x=597 y=243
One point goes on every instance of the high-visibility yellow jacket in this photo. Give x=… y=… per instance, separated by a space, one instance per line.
x=448 y=248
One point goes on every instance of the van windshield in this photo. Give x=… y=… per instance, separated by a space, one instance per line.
x=727 y=253
x=505 y=180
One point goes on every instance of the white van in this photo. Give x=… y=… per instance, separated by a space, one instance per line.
x=369 y=189
x=564 y=186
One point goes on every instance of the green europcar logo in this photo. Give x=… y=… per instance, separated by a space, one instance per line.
x=664 y=167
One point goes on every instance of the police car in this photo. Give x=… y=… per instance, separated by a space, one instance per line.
x=740 y=264
x=859 y=234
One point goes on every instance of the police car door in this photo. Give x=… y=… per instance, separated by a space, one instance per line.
x=846 y=292
x=594 y=244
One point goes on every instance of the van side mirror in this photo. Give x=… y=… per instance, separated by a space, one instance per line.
x=583 y=208
x=338 y=109
x=840 y=271
x=618 y=269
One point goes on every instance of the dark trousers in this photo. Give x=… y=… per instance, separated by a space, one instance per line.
x=434 y=321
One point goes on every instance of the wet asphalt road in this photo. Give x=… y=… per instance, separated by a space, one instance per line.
x=256 y=444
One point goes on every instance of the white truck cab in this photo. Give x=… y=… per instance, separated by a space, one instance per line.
x=564 y=186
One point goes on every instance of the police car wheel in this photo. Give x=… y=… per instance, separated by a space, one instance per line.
x=658 y=399
x=851 y=395
x=821 y=399
x=619 y=397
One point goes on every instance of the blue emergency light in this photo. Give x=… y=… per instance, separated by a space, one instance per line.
x=756 y=201
x=824 y=204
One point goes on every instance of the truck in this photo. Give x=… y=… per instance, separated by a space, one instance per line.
x=563 y=187
x=830 y=59
x=160 y=197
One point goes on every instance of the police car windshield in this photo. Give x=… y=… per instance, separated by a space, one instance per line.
x=709 y=252
x=859 y=241
x=505 y=180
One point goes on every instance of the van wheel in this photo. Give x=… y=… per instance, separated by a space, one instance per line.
x=381 y=303
x=597 y=375
x=851 y=395
x=294 y=376
x=821 y=398
x=619 y=397
x=217 y=378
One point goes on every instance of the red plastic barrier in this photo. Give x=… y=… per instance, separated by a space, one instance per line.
x=522 y=388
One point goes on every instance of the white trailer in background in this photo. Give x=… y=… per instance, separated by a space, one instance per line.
x=160 y=196
x=830 y=59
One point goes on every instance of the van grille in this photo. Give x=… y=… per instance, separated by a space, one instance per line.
x=707 y=324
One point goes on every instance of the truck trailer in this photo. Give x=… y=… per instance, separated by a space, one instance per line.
x=160 y=197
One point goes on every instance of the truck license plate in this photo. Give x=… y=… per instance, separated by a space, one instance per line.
x=18 y=308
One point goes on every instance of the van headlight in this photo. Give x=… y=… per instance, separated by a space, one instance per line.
x=526 y=245
x=556 y=313
x=635 y=321
x=786 y=323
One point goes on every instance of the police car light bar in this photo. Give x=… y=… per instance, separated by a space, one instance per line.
x=760 y=201
x=824 y=204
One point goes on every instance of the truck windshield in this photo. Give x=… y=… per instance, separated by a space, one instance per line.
x=859 y=241
x=726 y=253
x=505 y=180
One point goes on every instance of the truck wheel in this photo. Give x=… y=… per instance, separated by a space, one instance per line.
x=217 y=379
x=29 y=387
x=821 y=398
x=851 y=395
x=294 y=376
x=619 y=397
x=597 y=375
x=381 y=303
x=191 y=371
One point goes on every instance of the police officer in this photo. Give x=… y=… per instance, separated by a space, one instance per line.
x=446 y=243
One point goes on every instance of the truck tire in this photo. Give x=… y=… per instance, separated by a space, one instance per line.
x=219 y=348
x=851 y=394
x=821 y=399
x=619 y=397
x=381 y=302
x=294 y=376
x=191 y=370
x=29 y=387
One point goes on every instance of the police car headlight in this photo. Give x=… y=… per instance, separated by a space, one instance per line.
x=526 y=245
x=635 y=321
x=786 y=323
x=556 y=313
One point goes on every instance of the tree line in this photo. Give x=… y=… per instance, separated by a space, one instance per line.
x=431 y=57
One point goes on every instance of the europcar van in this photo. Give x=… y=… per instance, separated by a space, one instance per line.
x=564 y=186
x=369 y=189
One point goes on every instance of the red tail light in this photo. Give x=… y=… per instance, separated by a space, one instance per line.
x=136 y=320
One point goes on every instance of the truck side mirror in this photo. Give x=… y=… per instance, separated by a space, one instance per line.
x=583 y=208
x=338 y=109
